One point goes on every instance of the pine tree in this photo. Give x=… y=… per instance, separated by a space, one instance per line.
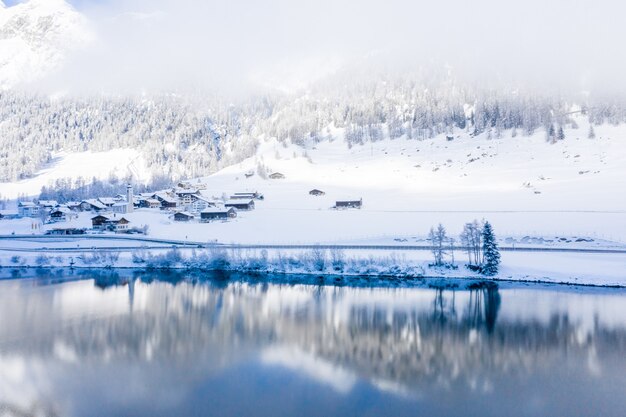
x=561 y=134
x=490 y=251
x=592 y=133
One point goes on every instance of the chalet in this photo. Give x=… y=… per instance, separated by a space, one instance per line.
x=115 y=224
x=249 y=196
x=120 y=226
x=349 y=204
x=60 y=214
x=316 y=192
x=183 y=216
x=92 y=205
x=187 y=196
x=240 y=204
x=99 y=222
x=277 y=176
x=167 y=202
x=27 y=209
x=152 y=203
x=66 y=231
x=217 y=213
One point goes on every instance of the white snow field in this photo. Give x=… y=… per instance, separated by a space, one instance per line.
x=523 y=185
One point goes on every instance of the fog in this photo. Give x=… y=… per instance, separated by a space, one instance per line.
x=245 y=45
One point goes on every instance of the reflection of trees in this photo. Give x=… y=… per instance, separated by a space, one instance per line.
x=460 y=339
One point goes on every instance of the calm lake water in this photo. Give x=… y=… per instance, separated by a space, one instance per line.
x=176 y=345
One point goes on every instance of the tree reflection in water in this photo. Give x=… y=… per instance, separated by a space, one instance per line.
x=470 y=337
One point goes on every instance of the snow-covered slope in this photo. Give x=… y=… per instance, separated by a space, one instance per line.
x=35 y=38
x=523 y=185
x=88 y=165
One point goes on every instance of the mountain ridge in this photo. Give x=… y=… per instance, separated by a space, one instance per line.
x=36 y=37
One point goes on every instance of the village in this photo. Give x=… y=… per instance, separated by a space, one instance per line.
x=187 y=202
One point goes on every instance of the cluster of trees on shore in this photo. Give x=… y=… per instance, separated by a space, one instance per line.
x=184 y=136
x=477 y=239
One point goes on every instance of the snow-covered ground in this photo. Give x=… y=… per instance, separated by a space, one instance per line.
x=88 y=165
x=566 y=194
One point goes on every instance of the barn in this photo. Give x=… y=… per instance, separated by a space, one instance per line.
x=214 y=213
x=183 y=216
x=343 y=204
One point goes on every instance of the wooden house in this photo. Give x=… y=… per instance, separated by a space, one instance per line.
x=99 y=222
x=217 y=213
x=60 y=214
x=342 y=204
x=240 y=204
x=277 y=176
x=316 y=192
x=183 y=216
x=152 y=203
x=167 y=202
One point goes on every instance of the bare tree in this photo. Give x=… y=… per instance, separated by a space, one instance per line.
x=471 y=238
x=438 y=239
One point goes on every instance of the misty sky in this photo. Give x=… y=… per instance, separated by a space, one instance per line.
x=569 y=44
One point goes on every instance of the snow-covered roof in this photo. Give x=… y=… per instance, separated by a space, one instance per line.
x=62 y=210
x=239 y=201
x=186 y=191
x=184 y=213
x=26 y=204
x=108 y=201
x=213 y=210
x=48 y=203
x=165 y=197
x=95 y=203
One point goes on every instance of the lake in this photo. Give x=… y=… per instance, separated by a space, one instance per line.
x=154 y=344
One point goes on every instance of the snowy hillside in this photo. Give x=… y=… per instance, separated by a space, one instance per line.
x=87 y=165
x=524 y=186
x=35 y=37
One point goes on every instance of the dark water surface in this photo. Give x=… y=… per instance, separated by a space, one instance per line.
x=155 y=345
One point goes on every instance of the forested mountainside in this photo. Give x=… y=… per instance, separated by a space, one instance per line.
x=180 y=136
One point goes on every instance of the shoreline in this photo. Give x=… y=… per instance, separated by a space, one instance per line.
x=315 y=278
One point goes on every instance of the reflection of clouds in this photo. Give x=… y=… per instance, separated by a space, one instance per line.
x=24 y=382
x=315 y=368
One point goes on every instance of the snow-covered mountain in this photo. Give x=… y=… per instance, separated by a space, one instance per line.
x=35 y=38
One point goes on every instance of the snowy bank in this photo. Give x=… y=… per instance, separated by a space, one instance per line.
x=394 y=268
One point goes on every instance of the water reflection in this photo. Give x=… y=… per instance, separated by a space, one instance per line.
x=150 y=344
